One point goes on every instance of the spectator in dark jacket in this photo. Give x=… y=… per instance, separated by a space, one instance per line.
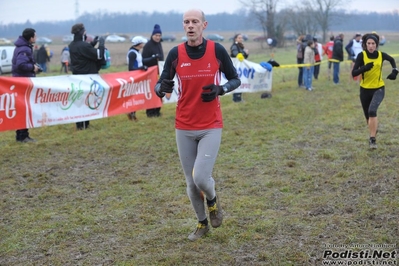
x=35 y=51
x=23 y=65
x=85 y=58
x=152 y=52
x=43 y=58
x=337 y=56
x=238 y=48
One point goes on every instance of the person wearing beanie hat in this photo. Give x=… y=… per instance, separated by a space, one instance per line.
x=24 y=65
x=372 y=87
x=154 y=52
x=157 y=30
x=85 y=58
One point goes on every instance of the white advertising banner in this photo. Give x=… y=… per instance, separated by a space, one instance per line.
x=62 y=99
x=254 y=78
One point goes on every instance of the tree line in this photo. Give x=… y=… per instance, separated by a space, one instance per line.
x=272 y=23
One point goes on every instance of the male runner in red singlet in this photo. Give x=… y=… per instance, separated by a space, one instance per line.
x=197 y=65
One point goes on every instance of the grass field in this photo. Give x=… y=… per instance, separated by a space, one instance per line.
x=294 y=173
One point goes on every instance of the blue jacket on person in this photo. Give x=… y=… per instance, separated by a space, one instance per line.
x=23 y=64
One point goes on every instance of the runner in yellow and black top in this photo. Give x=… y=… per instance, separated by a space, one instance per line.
x=372 y=88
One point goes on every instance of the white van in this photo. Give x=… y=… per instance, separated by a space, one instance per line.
x=6 y=54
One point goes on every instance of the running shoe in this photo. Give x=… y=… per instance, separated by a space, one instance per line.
x=199 y=231
x=216 y=213
x=132 y=116
x=373 y=143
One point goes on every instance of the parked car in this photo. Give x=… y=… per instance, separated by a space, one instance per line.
x=290 y=37
x=244 y=37
x=43 y=40
x=184 y=38
x=260 y=39
x=6 y=53
x=67 y=38
x=4 y=41
x=115 y=38
x=318 y=37
x=215 y=37
x=168 y=38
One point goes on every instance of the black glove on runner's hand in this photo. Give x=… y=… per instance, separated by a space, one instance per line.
x=393 y=74
x=368 y=66
x=167 y=86
x=144 y=67
x=214 y=92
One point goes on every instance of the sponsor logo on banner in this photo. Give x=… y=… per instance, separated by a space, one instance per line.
x=66 y=99
x=132 y=91
x=45 y=101
x=253 y=76
x=13 y=105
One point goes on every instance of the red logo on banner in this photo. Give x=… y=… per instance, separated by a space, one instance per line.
x=14 y=104
x=36 y=102
x=132 y=91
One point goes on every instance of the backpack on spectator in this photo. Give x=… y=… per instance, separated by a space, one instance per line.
x=107 y=59
x=300 y=50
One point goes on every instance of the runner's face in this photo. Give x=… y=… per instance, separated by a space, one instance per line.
x=371 y=45
x=194 y=25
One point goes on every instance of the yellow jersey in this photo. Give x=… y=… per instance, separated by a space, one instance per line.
x=372 y=79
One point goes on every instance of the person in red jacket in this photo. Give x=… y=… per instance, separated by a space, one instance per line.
x=318 y=48
x=198 y=64
x=327 y=50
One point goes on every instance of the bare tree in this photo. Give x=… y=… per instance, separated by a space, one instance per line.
x=302 y=20
x=324 y=12
x=264 y=12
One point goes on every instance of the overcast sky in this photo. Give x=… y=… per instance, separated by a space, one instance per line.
x=19 y=11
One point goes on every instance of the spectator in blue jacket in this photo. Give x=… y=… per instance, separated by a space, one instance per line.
x=23 y=65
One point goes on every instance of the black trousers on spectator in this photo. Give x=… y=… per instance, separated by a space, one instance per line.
x=300 y=74
x=82 y=125
x=154 y=112
x=316 y=70
x=22 y=134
